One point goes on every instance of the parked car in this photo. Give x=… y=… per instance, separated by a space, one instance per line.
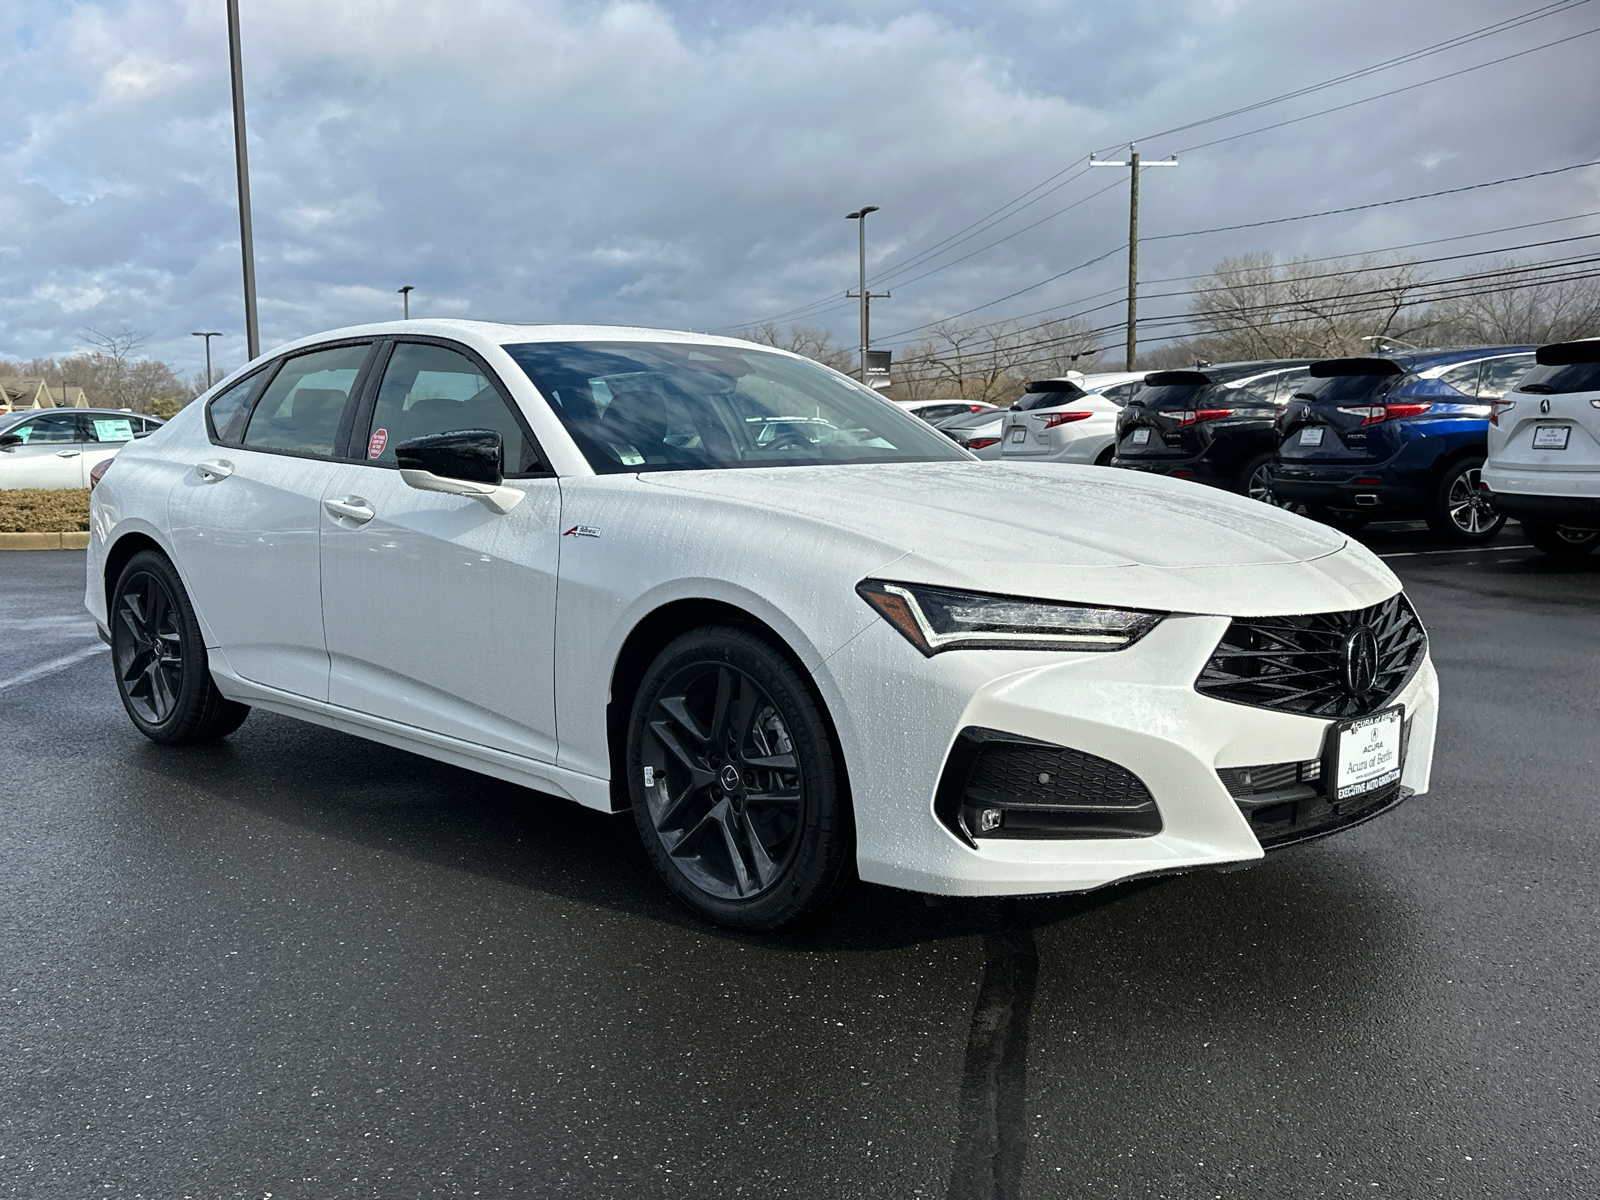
x=559 y=556
x=1073 y=419
x=1398 y=435
x=934 y=411
x=977 y=433
x=1544 y=450
x=57 y=447
x=1212 y=424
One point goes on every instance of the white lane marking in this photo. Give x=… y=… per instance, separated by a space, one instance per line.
x=51 y=667
x=1463 y=550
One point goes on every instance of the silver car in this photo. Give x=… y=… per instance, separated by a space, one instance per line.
x=58 y=447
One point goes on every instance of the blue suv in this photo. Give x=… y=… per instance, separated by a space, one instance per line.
x=1394 y=436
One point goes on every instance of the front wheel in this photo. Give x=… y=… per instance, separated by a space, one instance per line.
x=736 y=790
x=160 y=658
x=1561 y=541
x=1459 y=510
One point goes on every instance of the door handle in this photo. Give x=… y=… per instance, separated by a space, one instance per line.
x=217 y=469
x=351 y=508
x=68 y=453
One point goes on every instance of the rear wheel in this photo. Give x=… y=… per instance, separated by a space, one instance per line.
x=1561 y=541
x=1255 y=481
x=160 y=658
x=1103 y=459
x=1459 y=510
x=735 y=787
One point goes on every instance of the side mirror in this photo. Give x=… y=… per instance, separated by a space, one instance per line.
x=8 y=440
x=463 y=462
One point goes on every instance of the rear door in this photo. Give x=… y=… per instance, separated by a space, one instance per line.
x=247 y=519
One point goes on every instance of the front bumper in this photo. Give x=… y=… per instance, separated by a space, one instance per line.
x=1136 y=708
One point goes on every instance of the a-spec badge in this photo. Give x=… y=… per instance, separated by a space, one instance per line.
x=582 y=531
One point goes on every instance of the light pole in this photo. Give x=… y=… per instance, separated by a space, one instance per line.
x=247 y=246
x=405 y=300
x=208 y=337
x=860 y=215
x=1133 y=238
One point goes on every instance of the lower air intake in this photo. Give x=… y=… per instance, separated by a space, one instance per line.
x=1003 y=785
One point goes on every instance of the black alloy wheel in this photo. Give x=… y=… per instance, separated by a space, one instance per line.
x=1255 y=481
x=734 y=783
x=1460 y=510
x=1560 y=541
x=159 y=658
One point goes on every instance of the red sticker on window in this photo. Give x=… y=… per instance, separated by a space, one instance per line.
x=380 y=439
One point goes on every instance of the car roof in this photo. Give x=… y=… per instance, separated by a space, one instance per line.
x=1223 y=372
x=26 y=413
x=1418 y=360
x=514 y=332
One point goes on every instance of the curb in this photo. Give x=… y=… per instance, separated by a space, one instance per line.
x=45 y=541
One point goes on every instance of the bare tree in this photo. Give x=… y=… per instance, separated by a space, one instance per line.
x=992 y=362
x=803 y=339
x=112 y=374
x=1532 y=306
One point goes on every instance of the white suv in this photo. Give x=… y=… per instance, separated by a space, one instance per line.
x=1544 y=449
x=1073 y=419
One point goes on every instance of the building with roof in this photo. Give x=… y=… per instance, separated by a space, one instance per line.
x=37 y=392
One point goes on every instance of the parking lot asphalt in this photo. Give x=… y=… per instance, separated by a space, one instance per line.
x=296 y=964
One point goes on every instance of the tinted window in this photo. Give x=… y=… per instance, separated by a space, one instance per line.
x=1575 y=377
x=1463 y=378
x=661 y=406
x=226 y=412
x=112 y=429
x=1122 y=392
x=1177 y=395
x=938 y=412
x=428 y=389
x=1258 y=392
x=1033 y=400
x=301 y=407
x=1500 y=375
x=52 y=430
x=1342 y=388
x=1290 y=382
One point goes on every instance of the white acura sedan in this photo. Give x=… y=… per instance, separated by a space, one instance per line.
x=799 y=634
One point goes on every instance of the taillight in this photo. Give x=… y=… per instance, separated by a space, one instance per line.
x=1191 y=416
x=981 y=443
x=1061 y=418
x=975 y=408
x=99 y=469
x=1374 y=414
x=1496 y=407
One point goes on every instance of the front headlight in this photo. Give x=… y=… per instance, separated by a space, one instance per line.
x=934 y=619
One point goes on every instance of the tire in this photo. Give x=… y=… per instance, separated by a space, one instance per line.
x=1345 y=522
x=1457 y=510
x=1255 y=481
x=159 y=658
x=1103 y=459
x=738 y=838
x=1561 y=541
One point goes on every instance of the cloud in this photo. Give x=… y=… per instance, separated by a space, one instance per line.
x=690 y=165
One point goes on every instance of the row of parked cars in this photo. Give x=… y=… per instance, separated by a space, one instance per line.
x=1463 y=438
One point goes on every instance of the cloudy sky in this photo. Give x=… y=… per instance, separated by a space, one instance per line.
x=689 y=163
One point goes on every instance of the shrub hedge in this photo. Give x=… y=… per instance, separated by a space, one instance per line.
x=44 y=510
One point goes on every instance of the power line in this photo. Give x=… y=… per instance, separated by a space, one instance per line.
x=1384 y=95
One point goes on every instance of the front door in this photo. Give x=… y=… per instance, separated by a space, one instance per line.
x=246 y=519
x=439 y=612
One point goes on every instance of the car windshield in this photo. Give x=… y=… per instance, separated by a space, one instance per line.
x=672 y=406
x=1344 y=388
x=1033 y=400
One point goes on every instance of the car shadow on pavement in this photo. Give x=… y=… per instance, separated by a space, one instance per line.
x=347 y=788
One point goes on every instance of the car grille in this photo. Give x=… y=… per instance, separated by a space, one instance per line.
x=1039 y=790
x=1287 y=803
x=1299 y=663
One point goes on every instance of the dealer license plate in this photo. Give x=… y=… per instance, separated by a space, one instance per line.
x=1141 y=437
x=1019 y=435
x=1551 y=437
x=1311 y=436
x=1366 y=753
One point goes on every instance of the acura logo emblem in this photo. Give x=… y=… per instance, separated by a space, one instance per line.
x=1544 y=405
x=1360 y=660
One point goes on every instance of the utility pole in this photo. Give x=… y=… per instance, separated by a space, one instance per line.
x=1133 y=238
x=862 y=294
x=208 y=337
x=405 y=300
x=247 y=245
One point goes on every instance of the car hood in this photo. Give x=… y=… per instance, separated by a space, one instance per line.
x=1059 y=531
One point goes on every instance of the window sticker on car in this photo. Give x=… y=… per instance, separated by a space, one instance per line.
x=1551 y=437
x=1311 y=436
x=1141 y=437
x=117 y=429
x=380 y=439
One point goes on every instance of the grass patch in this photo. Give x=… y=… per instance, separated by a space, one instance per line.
x=44 y=510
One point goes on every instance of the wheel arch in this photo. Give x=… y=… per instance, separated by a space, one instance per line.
x=1447 y=460
x=120 y=552
x=650 y=635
